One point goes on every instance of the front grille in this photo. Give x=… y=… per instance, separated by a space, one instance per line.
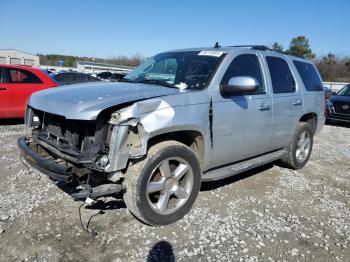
x=75 y=135
x=342 y=108
x=54 y=125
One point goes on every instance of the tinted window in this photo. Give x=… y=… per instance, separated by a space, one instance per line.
x=245 y=65
x=21 y=76
x=345 y=91
x=62 y=79
x=308 y=74
x=79 y=78
x=281 y=76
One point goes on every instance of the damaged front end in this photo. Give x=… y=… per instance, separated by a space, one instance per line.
x=81 y=152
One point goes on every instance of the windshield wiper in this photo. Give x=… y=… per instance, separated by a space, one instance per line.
x=155 y=81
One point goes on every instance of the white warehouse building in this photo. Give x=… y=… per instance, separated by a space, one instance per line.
x=16 y=57
x=92 y=67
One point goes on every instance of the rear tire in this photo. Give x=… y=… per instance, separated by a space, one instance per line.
x=300 y=147
x=163 y=187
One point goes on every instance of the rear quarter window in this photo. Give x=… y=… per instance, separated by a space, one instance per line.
x=309 y=76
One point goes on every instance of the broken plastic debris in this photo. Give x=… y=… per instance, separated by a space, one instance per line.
x=182 y=86
x=89 y=200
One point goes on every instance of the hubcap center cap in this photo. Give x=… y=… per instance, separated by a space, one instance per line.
x=171 y=185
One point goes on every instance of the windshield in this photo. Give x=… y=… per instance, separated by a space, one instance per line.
x=189 y=69
x=345 y=91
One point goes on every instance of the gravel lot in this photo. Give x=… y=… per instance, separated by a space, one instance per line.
x=269 y=214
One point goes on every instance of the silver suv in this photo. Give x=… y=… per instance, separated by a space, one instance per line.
x=180 y=118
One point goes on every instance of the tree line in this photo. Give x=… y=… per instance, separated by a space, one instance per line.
x=71 y=61
x=332 y=68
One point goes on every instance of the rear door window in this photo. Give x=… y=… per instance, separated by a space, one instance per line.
x=281 y=76
x=308 y=74
x=21 y=76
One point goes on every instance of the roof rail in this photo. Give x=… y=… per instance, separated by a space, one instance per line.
x=265 y=48
x=255 y=47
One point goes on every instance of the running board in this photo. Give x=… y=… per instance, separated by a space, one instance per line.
x=234 y=169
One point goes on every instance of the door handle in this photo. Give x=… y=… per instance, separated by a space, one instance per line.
x=3 y=88
x=297 y=102
x=264 y=107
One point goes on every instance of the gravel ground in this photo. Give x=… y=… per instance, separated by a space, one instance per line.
x=268 y=214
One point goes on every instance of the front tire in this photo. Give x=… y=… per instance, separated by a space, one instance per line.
x=163 y=187
x=300 y=147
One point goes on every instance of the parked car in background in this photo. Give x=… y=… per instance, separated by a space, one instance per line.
x=17 y=83
x=104 y=75
x=116 y=76
x=68 y=78
x=180 y=118
x=338 y=106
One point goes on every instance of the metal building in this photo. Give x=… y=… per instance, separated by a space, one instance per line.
x=16 y=57
x=91 y=67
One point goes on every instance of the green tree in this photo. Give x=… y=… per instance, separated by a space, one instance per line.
x=278 y=47
x=330 y=59
x=299 y=46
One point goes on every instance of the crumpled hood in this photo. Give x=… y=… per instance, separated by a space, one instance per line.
x=85 y=101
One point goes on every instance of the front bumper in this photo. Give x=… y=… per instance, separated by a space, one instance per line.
x=333 y=113
x=45 y=165
x=338 y=117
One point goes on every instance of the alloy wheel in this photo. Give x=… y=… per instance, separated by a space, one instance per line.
x=170 y=185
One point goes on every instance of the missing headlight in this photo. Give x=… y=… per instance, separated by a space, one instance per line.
x=102 y=161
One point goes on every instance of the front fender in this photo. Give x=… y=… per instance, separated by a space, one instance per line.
x=146 y=119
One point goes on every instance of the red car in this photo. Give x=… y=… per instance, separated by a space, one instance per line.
x=17 y=83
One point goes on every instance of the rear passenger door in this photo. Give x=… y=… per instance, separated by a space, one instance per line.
x=287 y=101
x=242 y=122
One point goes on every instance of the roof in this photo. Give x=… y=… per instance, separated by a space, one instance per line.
x=105 y=65
x=30 y=68
x=11 y=49
x=229 y=49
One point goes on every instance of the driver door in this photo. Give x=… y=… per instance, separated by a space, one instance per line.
x=241 y=123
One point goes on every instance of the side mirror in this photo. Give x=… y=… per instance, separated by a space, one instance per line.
x=239 y=85
x=334 y=93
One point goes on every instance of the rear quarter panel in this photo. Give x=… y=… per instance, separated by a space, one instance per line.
x=313 y=101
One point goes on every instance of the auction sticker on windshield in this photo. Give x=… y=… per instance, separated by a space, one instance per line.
x=211 y=53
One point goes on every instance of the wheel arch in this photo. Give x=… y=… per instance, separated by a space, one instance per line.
x=191 y=138
x=310 y=118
